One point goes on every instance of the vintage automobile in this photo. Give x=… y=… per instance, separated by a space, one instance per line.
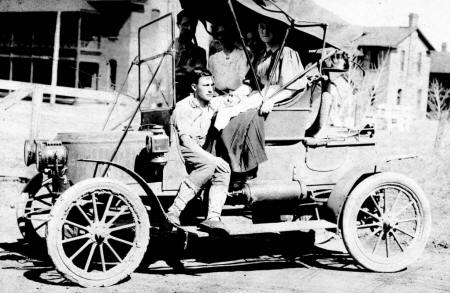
x=99 y=196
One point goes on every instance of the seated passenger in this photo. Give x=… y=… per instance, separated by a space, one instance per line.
x=193 y=117
x=228 y=66
x=272 y=79
x=188 y=56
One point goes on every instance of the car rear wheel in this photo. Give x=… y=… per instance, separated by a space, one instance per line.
x=98 y=232
x=386 y=222
x=33 y=209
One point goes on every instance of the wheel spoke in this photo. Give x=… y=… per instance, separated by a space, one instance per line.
x=399 y=212
x=387 y=244
x=76 y=225
x=375 y=232
x=41 y=225
x=406 y=220
x=404 y=232
x=122 y=227
x=378 y=242
x=47 y=186
x=80 y=249
x=122 y=210
x=121 y=240
x=102 y=257
x=94 y=205
x=369 y=214
x=43 y=202
x=91 y=253
x=395 y=200
x=113 y=251
x=84 y=214
x=368 y=226
x=40 y=196
x=35 y=212
x=84 y=236
x=108 y=204
x=384 y=201
x=396 y=240
x=376 y=205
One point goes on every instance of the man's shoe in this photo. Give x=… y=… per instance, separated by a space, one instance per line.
x=173 y=218
x=214 y=227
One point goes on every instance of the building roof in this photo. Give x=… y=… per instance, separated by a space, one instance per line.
x=440 y=62
x=391 y=37
x=45 y=5
x=70 y=5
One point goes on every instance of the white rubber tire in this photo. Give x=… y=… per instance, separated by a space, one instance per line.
x=134 y=256
x=350 y=211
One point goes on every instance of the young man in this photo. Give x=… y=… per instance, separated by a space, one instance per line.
x=189 y=56
x=192 y=121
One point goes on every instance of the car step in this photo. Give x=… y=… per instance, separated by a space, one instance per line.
x=249 y=228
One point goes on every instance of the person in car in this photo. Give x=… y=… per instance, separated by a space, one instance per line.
x=193 y=117
x=189 y=56
x=272 y=79
x=228 y=66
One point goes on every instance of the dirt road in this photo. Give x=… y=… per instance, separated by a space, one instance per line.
x=281 y=263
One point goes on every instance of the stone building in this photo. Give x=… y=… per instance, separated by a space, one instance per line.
x=397 y=60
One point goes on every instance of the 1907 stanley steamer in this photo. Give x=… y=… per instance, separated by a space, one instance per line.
x=98 y=229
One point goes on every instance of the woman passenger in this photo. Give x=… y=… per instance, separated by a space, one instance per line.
x=272 y=79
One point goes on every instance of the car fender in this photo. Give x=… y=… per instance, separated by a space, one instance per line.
x=155 y=204
x=35 y=182
x=357 y=174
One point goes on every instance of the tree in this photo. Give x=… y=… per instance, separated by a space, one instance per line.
x=439 y=109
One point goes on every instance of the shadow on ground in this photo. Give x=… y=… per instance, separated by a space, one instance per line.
x=196 y=256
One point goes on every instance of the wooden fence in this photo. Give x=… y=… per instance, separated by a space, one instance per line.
x=22 y=90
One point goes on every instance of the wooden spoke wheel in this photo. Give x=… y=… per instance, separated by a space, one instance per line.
x=98 y=232
x=386 y=222
x=33 y=209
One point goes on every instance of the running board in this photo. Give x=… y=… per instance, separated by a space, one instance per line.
x=249 y=228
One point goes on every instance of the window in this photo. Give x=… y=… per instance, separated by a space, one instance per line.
x=402 y=60
x=419 y=62
x=399 y=97
x=419 y=98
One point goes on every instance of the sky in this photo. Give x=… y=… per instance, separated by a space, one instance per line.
x=434 y=15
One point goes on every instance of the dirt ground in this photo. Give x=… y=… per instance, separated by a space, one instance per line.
x=250 y=265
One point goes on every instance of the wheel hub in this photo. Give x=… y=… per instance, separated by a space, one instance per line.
x=100 y=233
x=388 y=223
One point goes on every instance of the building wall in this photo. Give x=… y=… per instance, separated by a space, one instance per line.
x=406 y=75
x=401 y=72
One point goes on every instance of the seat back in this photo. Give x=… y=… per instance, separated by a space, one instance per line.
x=290 y=120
